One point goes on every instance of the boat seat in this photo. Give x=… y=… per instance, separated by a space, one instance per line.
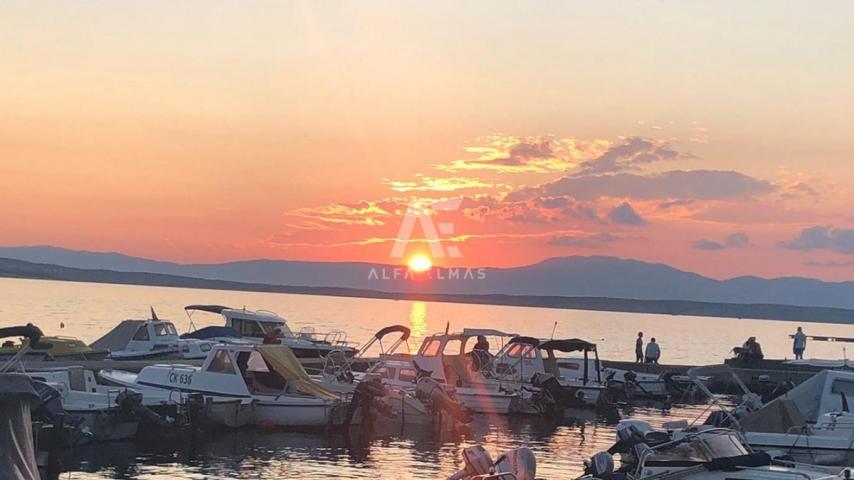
x=781 y=416
x=264 y=383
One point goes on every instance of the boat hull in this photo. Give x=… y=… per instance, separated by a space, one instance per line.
x=295 y=413
x=486 y=401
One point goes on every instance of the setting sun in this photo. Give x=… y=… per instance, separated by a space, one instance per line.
x=420 y=263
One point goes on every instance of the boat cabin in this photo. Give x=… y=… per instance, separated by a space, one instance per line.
x=248 y=323
x=398 y=373
x=524 y=357
x=456 y=359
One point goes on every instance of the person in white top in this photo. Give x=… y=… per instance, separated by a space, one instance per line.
x=800 y=344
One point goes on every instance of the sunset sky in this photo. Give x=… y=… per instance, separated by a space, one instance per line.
x=714 y=137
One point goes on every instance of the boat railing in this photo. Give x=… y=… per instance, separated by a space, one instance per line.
x=334 y=337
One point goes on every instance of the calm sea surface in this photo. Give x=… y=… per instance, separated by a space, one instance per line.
x=90 y=310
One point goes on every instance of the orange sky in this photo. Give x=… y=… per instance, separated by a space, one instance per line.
x=715 y=138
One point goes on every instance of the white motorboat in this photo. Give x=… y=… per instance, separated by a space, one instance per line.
x=245 y=384
x=448 y=358
x=812 y=421
x=704 y=453
x=398 y=393
x=533 y=364
x=104 y=413
x=263 y=326
x=150 y=339
x=393 y=366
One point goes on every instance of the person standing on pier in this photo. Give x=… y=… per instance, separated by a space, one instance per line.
x=653 y=351
x=639 y=348
x=800 y=344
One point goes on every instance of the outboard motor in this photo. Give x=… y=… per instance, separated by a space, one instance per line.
x=368 y=397
x=132 y=401
x=477 y=462
x=520 y=462
x=629 y=434
x=600 y=465
x=431 y=392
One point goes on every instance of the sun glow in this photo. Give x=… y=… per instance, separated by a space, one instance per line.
x=420 y=263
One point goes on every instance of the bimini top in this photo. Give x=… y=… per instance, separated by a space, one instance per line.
x=534 y=342
x=404 y=332
x=32 y=332
x=486 y=332
x=208 y=308
x=568 y=345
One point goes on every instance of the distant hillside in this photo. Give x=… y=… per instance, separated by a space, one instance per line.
x=11 y=268
x=563 y=277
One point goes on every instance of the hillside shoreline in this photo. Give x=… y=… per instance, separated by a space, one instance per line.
x=10 y=268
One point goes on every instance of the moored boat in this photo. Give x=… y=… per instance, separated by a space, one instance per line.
x=813 y=421
x=451 y=359
x=150 y=339
x=703 y=453
x=245 y=384
x=261 y=326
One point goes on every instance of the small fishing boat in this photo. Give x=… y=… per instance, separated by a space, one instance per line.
x=393 y=366
x=263 y=326
x=150 y=339
x=532 y=365
x=391 y=389
x=451 y=359
x=812 y=422
x=60 y=349
x=245 y=385
x=704 y=453
x=100 y=412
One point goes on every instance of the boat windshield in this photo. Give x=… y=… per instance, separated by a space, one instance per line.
x=165 y=328
x=259 y=377
x=701 y=450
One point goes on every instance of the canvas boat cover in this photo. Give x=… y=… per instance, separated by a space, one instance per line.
x=825 y=392
x=285 y=363
x=207 y=308
x=212 y=332
x=17 y=451
x=119 y=337
x=568 y=345
x=486 y=332
x=777 y=417
x=815 y=362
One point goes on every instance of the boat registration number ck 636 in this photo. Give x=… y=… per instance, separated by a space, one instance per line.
x=180 y=378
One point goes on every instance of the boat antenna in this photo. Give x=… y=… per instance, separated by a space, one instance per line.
x=553 y=331
x=153 y=314
x=447 y=327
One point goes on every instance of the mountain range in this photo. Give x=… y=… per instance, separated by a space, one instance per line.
x=576 y=276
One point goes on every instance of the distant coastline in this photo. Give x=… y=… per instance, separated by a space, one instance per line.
x=10 y=268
